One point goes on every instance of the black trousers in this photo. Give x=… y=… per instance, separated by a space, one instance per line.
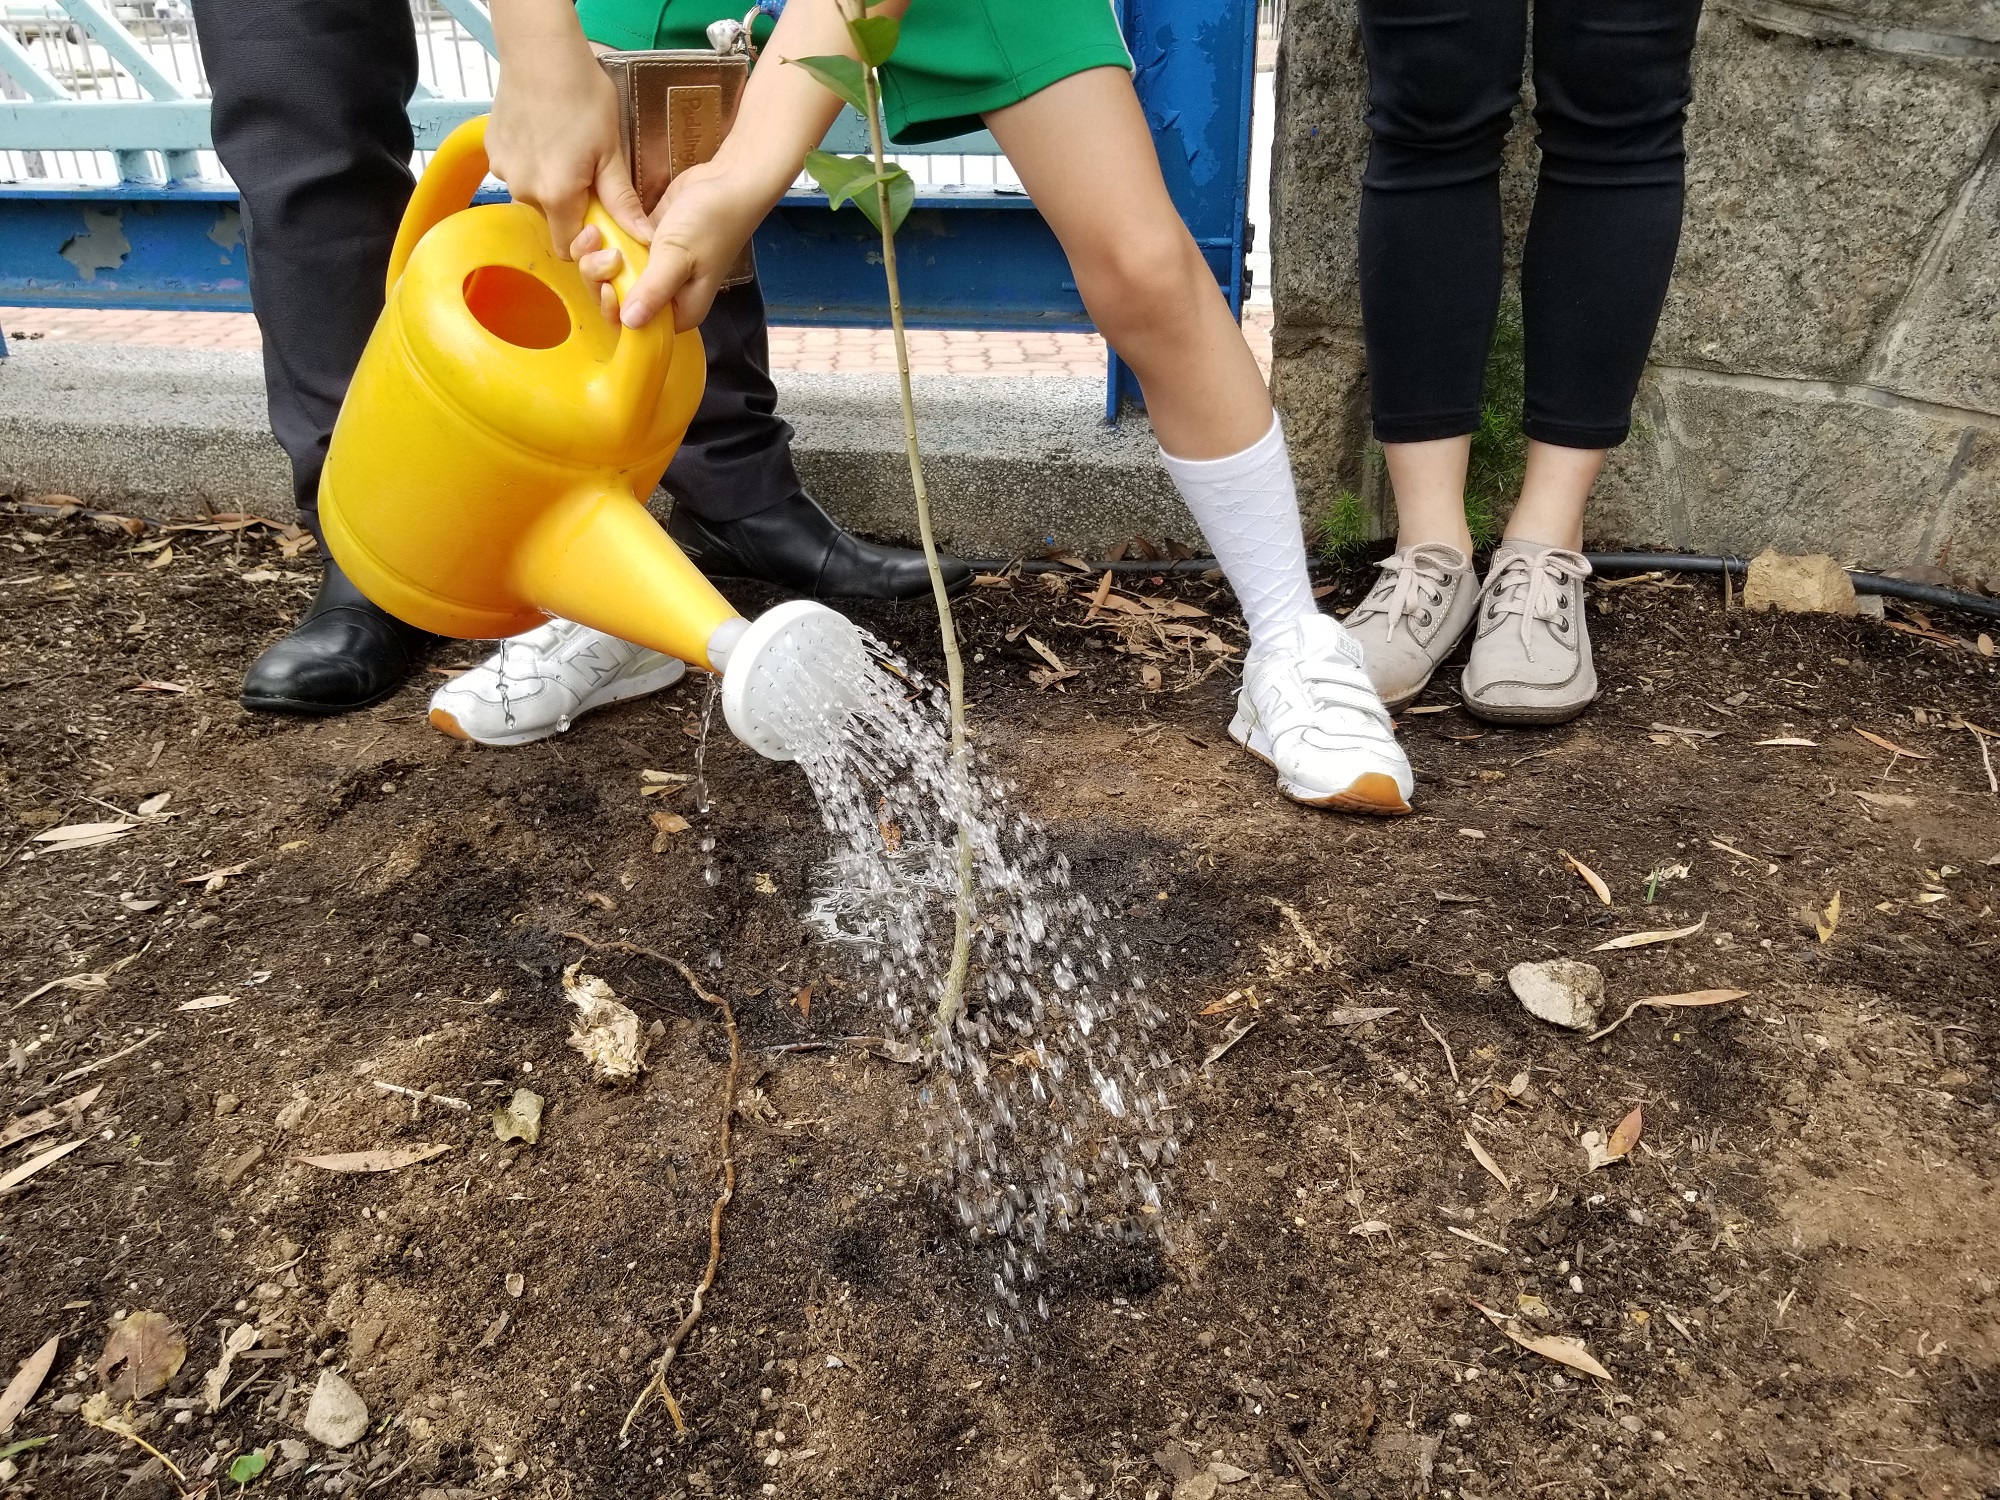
x=1611 y=94
x=309 y=119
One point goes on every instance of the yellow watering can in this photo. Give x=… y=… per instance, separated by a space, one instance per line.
x=489 y=463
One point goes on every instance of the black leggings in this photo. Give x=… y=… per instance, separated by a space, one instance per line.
x=1611 y=95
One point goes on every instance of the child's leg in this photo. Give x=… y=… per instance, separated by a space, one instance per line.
x=1156 y=302
x=1086 y=157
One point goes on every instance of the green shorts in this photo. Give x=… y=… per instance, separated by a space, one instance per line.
x=957 y=58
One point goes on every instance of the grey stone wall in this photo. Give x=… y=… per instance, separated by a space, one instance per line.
x=1827 y=372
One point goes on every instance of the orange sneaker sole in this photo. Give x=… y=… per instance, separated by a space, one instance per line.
x=1373 y=794
x=442 y=720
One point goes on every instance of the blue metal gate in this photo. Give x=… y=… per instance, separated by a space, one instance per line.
x=163 y=235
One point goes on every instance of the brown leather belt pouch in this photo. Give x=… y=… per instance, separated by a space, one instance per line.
x=676 y=107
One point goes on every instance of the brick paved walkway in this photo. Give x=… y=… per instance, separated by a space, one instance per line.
x=933 y=351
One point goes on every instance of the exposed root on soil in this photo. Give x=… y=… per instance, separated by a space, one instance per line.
x=658 y=1384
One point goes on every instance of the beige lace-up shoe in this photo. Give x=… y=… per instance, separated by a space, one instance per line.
x=1531 y=656
x=1415 y=614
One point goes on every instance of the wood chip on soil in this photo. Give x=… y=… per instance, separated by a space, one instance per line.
x=386 y=1159
x=44 y=1120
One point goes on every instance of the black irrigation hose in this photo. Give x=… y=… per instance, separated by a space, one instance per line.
x=1602 y=562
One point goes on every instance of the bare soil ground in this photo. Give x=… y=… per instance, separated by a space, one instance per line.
x=1793 y=1282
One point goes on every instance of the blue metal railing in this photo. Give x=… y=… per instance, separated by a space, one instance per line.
x=166 y=236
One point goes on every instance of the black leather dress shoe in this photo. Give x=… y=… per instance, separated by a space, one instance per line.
x=345 y=654
x=799 y=547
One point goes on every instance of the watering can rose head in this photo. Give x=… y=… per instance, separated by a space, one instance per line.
x=492 y=456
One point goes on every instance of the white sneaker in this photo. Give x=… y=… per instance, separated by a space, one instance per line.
x=1309 y=710
x=535 y=684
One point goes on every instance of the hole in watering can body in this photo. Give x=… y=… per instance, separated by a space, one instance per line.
x=516 y=307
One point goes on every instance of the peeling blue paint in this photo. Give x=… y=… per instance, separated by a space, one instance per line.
x=101 y=247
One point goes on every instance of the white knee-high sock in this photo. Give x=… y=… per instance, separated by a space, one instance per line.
x=1249 y=512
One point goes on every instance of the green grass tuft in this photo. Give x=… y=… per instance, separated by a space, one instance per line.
x=1499 y=448
x=1341 y=528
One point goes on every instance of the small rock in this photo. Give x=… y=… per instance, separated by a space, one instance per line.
x=421 y=939
x=294 y=1114
x=1201 y=1486
x=515 y=1284
x=1869 y=606
x=1228 y=1473
x=1801 y=585
x=233 y=1172
x=1179 y=1464
x=1561 y=990
x=336 y=1416
x=226 y=1104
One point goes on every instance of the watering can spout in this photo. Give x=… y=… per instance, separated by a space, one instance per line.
x=598 y=558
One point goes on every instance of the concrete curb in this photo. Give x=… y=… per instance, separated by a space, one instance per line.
x=1014 y=465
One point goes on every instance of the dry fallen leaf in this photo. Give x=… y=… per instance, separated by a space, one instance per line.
x=42 y=1120
x=155 y=804
x=1670 y=1002
x=35 y=1164
x=607 y=1031
x=1647 y=939
x=1370 y=1228
x=1228 y=1002
x=1793 y=743
x=1485 y=1159
x=242 y=1338
x=1625 y=1134
x=384 y=1159
x=763 y=884
x=212 y=881
x=207 y=1002
x=1590 y=877
x=1564 y=1351
x=145 y=1351
x=1097 y=599
x=164 y=556
x=1890 y=745
x=27 y=1380
x=1829 y=920
x=520 y=1118
x=1149 y=677
x=83 y=834
x=803 y=1000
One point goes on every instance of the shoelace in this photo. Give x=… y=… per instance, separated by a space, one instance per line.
x=1534 y=586
x=1408 y=577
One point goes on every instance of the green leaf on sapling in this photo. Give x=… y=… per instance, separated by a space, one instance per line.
x=840 y=74
x=902 y=196
x=248 y=1467
x=836 y=175
x=875 y=38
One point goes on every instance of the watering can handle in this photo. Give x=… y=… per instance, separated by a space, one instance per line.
x=460 y=164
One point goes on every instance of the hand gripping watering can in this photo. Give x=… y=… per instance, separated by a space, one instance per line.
x=488 y=467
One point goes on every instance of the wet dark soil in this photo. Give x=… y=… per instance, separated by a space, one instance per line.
x=1792 y=1282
